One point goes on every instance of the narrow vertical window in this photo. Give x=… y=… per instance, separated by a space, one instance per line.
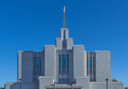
x=87 y=65
x=37 y=66
x=91 y=69
x=68 y=68
x=94 y=67
x=91 y=66
x=64 y=34
x=63 y=69
x=60 y=70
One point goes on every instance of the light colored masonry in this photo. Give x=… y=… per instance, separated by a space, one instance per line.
x=64 y=66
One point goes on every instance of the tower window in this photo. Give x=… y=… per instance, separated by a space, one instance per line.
x=64 y=34
x=37 y=66
x=64 y=69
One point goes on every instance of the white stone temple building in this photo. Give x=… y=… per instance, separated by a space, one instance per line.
x=64 y=66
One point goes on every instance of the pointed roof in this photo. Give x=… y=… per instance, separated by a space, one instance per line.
x=64 y=23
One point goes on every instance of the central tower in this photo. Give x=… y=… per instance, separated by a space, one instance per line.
x=64 y=55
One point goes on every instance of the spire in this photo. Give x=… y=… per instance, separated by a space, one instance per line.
x=64 y=24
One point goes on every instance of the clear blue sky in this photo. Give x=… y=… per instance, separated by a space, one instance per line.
x=29 y=24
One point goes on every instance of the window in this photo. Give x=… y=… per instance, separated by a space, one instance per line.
x=91 y=70
x=37 y=66
x=91 y=66
x=64 y=34
x=63 y=69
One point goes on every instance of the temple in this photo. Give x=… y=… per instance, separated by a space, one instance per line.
x=64 y=66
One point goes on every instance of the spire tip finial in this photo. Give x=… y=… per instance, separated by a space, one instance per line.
x=64 y=9
x=64 y=25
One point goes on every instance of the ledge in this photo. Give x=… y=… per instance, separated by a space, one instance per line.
x=64 y=86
